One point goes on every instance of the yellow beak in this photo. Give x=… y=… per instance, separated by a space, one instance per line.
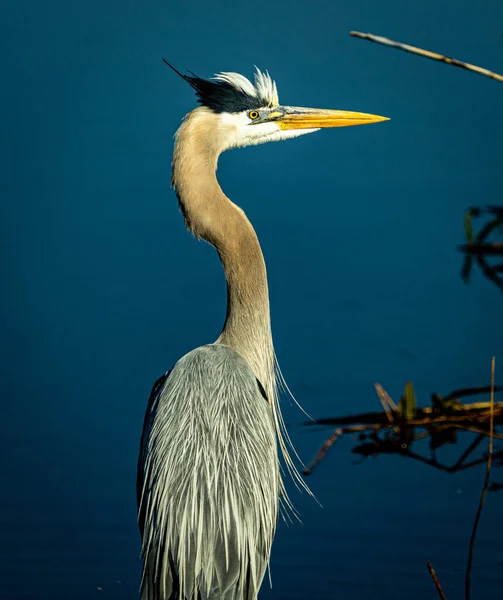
x=317 y=118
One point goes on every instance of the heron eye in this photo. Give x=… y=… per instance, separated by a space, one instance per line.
x=253 y=114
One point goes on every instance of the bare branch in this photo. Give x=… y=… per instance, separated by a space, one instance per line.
x=426 y=53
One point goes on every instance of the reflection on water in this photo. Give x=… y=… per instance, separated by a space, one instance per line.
x=379 y=524
x=483 y=247
x=398 y=428
x=406 y=430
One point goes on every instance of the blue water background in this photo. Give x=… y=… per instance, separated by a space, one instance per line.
x=103 y=289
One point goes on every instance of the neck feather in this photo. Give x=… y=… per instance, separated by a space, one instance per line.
x=211 y=216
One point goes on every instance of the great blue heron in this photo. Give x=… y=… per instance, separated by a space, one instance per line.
x=209 y=480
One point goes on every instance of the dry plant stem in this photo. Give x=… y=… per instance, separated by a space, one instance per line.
x=478 y=409
x=385 y=398
x=390 y=408
x=484 y=489
x=434 y=577
x=387 y=410
x=427 y=54
x=322 y=451
x=418 y=422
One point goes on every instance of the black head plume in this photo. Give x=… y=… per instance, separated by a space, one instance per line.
x=184 y=77
x=220 y=95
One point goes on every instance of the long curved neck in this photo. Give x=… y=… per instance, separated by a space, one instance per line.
x=211 y=216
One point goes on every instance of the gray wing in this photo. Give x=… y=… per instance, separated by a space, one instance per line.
x=208 y=480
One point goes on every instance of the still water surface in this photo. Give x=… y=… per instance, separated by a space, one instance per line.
x=104 y=289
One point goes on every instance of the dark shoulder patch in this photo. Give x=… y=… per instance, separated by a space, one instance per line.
x=139 y=472
x=262 y=391
x=157 y=386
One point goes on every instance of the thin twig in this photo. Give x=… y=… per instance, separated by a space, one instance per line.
x=484 y=489
x=434 y=577
x=427 y=54
x=322 y=451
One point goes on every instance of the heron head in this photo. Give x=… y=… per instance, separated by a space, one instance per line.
x=246 y=113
